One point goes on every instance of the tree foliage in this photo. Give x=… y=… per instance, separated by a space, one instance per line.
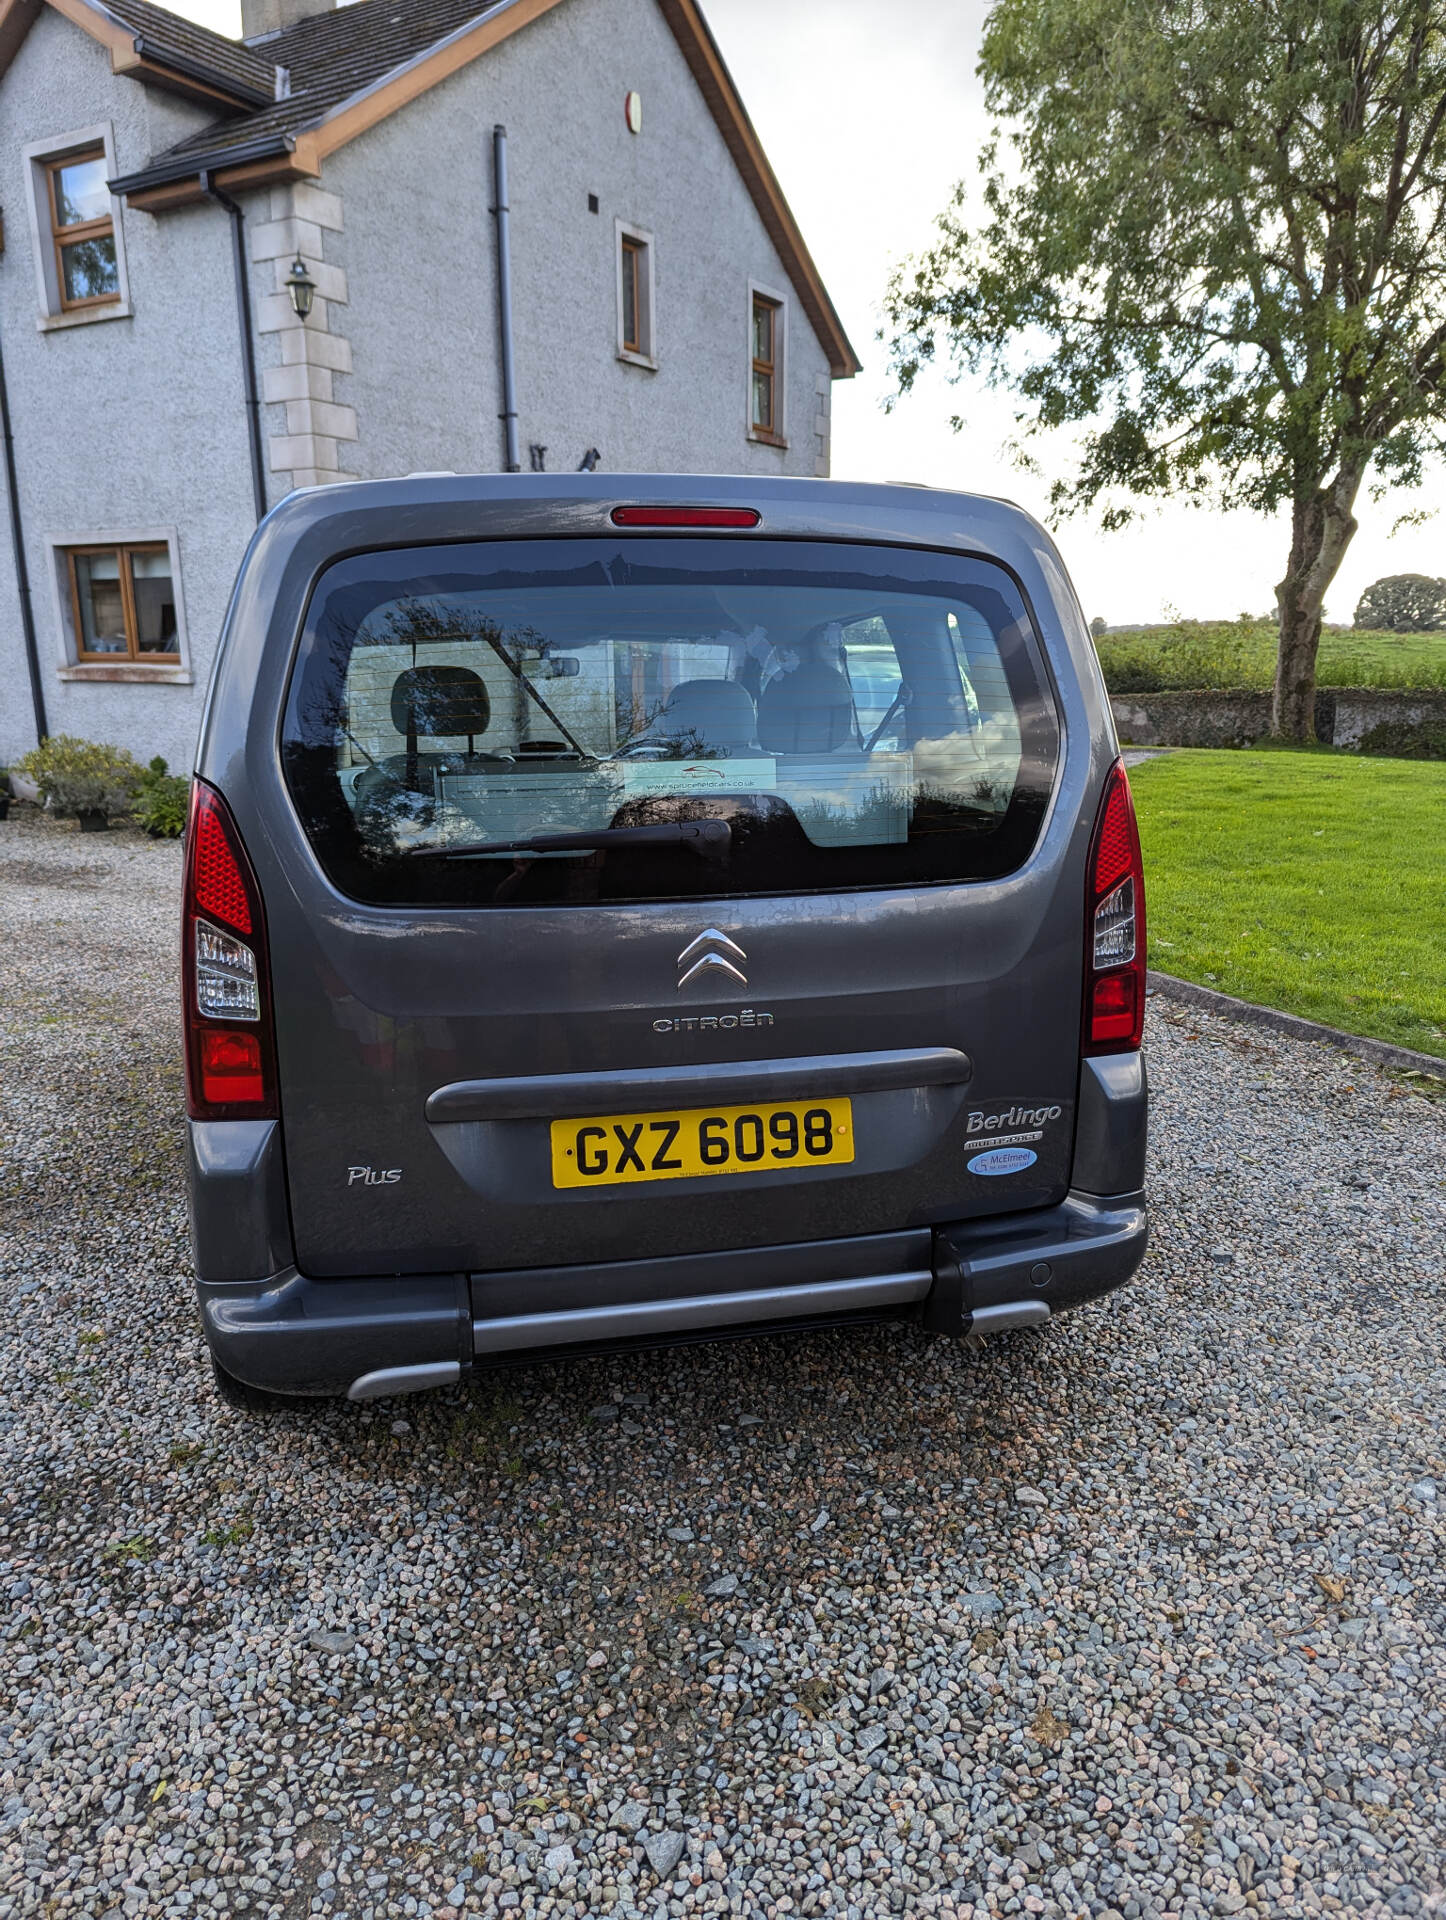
x=1213 y=242
x=1403 y=603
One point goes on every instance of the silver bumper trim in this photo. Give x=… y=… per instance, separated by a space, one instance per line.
x=389 y=1380
x=645 y=1317
x=1010 y=1313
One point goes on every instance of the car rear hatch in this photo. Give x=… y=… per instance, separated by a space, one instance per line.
x=660 y=892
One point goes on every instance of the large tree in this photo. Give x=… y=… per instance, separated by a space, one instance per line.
x=1212 y=242
x=1403 y=603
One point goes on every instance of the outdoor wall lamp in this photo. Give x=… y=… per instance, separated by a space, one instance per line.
x=302 y=288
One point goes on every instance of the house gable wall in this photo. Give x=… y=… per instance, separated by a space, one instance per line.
x=418 y=252
x=123 y=426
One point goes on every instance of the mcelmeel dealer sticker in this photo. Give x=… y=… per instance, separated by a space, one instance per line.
x=1003 y=1160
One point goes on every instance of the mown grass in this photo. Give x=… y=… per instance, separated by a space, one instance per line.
x=1309 y=881
x=1241 y=653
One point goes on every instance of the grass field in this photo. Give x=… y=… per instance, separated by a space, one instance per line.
x=1310 y=881
x=1241 y=653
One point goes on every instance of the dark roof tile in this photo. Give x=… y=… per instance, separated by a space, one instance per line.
x=330 y=56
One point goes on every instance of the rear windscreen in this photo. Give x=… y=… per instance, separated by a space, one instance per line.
x=857 y=716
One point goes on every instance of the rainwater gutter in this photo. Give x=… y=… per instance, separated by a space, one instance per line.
x=243 y=321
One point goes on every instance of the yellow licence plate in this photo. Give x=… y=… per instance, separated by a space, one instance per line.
x=613 y=1149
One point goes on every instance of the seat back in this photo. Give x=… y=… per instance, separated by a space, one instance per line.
x=718 y=715
x=810 y=710
x=440 y=702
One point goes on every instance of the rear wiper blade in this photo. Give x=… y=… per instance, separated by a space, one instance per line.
x=710 y=838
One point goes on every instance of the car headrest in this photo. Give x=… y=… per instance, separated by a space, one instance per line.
x=810 y=710
x=719 y=712
x=441 y=702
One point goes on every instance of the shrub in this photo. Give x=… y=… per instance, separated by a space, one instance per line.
x=1240 y=655
x=82 y=776
x=1189 y=654
x=1426 y=740
x=163 y=801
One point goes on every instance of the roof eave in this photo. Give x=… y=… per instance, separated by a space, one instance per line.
x=214 y=84
x=269 y=160
x=132 y=54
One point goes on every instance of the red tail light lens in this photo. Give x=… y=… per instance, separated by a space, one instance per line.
x=231 y=1067
x=1114 y=998
x=220 y=890
x=230 y=1051
x=685 y=516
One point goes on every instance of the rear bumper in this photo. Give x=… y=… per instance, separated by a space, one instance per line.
x=373 y=1336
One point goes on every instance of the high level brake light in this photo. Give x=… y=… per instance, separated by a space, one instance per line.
x=1114 y=1002
x=685 y=516
x=230 y=1051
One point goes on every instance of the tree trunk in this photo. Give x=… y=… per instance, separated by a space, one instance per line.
x=1322 y=526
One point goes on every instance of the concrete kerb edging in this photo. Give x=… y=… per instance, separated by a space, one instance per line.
x=1378 y=1052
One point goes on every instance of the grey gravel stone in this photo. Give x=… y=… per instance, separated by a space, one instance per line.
x=1204 y=1677
x=725 y=1584
x=326 y=1642
x=1031 y=1497
x=664 y=1851
x=981 y=1604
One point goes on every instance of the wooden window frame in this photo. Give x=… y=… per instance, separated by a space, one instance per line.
x=132 y=656
x=61 y=237
x=632 y=263
x=773 y=435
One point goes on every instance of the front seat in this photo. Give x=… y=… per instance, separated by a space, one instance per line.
x=810 y=710
x=714 y=719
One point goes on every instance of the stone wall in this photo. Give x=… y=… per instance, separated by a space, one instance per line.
x=1406 y=721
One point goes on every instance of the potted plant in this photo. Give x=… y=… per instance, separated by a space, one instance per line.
x=84 y=778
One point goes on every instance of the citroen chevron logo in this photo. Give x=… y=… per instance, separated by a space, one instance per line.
x=711 y=955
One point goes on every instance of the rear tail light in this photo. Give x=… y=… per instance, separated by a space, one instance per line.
x=230 y=1050
x=1114 y=1001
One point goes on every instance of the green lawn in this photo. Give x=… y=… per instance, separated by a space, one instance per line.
x=1314 y=882
x=1241 y=653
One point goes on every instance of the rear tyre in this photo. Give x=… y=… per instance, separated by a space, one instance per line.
x=248 y=1399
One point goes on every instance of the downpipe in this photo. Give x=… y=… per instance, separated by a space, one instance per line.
x=248 y=352
x=22 y=570
x=510 y=461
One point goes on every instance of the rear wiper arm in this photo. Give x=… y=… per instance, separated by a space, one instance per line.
x=710 y=838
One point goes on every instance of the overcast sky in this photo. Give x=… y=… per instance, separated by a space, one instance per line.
x=870 y=113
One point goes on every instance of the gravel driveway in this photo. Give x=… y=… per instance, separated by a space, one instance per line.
x=1140 y=1616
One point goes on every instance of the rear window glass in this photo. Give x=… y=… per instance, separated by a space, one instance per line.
x=858 y=716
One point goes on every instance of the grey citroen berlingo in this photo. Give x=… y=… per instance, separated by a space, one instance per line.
x=629 y=908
